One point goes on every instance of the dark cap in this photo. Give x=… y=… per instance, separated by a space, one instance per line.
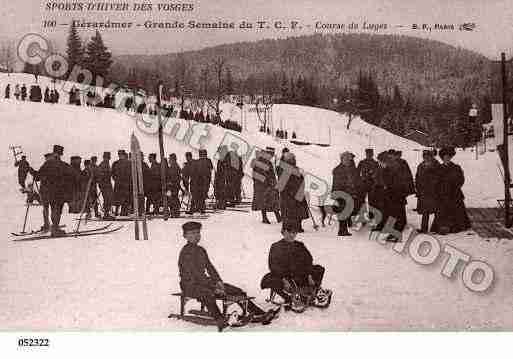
x=289 y=226
x=203 y=153
x=106 y=154
x=152 y=155
x=369 y=150
x=191 y=226
x=188 y=154
x=58 y=149
x=94 y=158
x=75 y=158
x=87 y=162
x=447 y=151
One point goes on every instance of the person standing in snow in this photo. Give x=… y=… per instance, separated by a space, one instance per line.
x=173 y=175
x=426 y=182
x=368 y=171
x=266 y=197
x=17 y=91
x=23 y=92
x=23 y=170
x=291 y=185
x=8 y=91
x=346 y=179
x=451 y=215
x=104 y=182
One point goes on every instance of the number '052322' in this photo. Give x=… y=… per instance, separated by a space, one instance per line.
x=33 y=342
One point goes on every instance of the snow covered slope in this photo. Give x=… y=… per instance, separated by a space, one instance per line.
x=113 y=282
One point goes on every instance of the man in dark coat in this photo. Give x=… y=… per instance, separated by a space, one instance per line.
x=221 y=178
x=290 y=262
x=426 y=182
x=368 y=171
x=173 y=176
x=104 y=176
x=56 y=177
x=122 y=175
x=266 y=197
x=346 y=178
x=8 y=91
x=291 y=184
x=451 y=215
x=200 y=181
x=23 y=170
x=398 y=185
x=199 y=279
x=78 y=187
x=234 y=179
x=186 y=176
x=93 y=191
x=154 y=186
x=43 y=193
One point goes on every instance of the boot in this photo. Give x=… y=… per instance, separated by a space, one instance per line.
x=342 y=229
x=264 y=218
x=56 y=231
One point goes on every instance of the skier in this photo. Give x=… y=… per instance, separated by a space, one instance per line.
x=291 y=267
x=199 y=279
x=56 y=178
x=8 y=91
x=47 y=98
x=451 y=215
x=23 y=170
x=43 y=193
x=78 y=188
x=293 y=203
x=426 y=182
x=105 y=184
x=368 y=170
x=173 y=175
x=345 y=179
x=266 y=197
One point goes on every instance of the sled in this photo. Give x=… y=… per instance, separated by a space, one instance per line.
x=302 y=298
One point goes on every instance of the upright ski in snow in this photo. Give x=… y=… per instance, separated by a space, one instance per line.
x=138 y=188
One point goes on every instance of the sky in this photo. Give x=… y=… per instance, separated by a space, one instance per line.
x=492 y=35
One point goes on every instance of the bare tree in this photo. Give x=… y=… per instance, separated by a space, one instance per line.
x=183 y=83
x=7 y=58
x=214 y=93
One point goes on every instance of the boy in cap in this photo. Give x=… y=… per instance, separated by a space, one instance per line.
x=291 y=268
x=199 y=279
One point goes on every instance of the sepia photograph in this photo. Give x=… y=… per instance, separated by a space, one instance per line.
x=254 y=167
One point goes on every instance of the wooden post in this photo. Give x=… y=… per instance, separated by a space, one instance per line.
x=163 y=167
x=507 y=175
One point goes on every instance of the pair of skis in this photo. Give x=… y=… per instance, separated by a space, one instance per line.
x=138 y=189
x=83 y=233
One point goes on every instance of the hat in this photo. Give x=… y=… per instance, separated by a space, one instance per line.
x=203 y=153
x=87 y=162
x=191 y=226
x=188 y=154
x=75 y=158
x=106 y=154
x=58 y=149
x=152 y=155
x=347 y=154
x=285 y=150
x=120 y=152
x=94 y=158
x=447 y=151
x=369 y=150
x=289 y=226
x=172 y=155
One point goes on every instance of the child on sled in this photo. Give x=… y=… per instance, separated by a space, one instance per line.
x=200 y=280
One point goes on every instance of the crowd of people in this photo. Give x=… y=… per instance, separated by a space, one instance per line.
x=35 y=93
x=381 y=184
x=80 y=183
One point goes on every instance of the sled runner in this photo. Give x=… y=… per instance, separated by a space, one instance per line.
x=302 y=298
x=202 y=317
x=84 y=233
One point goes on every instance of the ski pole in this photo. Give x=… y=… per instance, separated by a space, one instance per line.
x=84 y=204
x=25 y=220
x=315 y=226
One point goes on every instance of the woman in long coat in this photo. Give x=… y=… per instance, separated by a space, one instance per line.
x=451 y=215
x=265 y=195
x=293 y=205
x=426 y=182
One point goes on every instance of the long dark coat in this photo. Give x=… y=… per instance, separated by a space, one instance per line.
x=198 y=276
x=293 y=203
x=347 y=179
x=57 y=178
x=235 y=173
x=451 y=215
x=265 y=195
x=122 y=175
x=427 y=180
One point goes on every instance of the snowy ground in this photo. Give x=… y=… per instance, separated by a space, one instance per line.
x=114 y=282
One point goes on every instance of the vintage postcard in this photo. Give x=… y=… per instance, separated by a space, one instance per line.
x=255 y=166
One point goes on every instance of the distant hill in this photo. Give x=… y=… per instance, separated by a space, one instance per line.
x=422 y=69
